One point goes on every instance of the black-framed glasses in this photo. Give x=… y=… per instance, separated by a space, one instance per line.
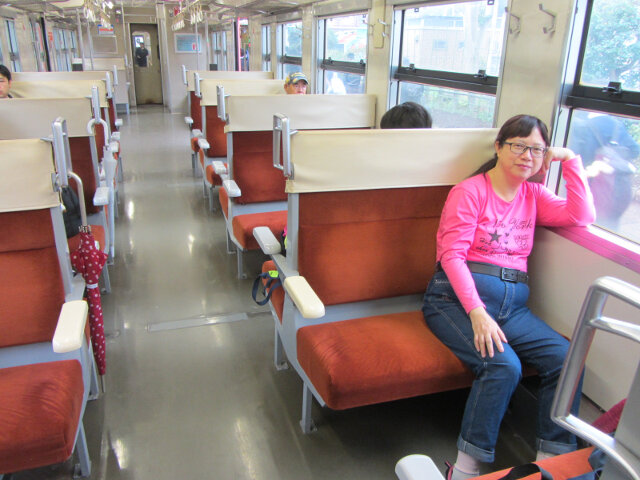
x=520 y=148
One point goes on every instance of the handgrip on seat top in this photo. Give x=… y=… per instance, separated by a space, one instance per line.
x=184 y=74
x=282 y=135
x=222 y=107
x=196 y=80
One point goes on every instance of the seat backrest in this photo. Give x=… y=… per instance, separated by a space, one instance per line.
x=225 y=75
x=32 y=118
x=208 y=102
x=196 y=110
x=59 y=89
x=32 y=290
x=369 y=205
x=251 y=158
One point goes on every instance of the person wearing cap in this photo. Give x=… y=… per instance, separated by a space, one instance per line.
x=296 y=84
x=5 y=82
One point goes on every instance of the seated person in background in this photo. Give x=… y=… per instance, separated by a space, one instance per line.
x=5 y=82
x=406 y=115
x=476 y=302
x=296 y=84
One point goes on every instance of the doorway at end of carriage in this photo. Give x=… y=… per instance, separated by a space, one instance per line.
x=146 y=63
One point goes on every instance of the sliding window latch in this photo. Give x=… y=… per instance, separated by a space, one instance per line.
x=614 y=89
x=482 y=75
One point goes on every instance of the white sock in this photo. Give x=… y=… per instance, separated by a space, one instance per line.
x=467 y=465
x=542 y=455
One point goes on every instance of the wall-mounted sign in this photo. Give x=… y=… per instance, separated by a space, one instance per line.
x=105 y=30
x=188 y=43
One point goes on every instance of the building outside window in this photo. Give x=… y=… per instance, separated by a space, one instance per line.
x=447 y=58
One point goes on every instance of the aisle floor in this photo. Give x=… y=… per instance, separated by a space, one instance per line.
x=205 y=402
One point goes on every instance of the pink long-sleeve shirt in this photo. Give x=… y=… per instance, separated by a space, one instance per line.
x=477 y=225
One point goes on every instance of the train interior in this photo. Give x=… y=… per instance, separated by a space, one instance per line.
x=146 y=111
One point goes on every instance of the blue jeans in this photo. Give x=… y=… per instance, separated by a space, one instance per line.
x=530 y=340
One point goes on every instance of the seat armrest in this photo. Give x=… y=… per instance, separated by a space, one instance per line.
x=101 y=197
x=118 y=123
x=203 y=144
x=188 y=121
x=196 y=132
x=417 y=467
x=219 y=167
x=70 y=329
x=232 y=188
x=114 y=146
x=115 y=136
x=305 y=299
x=267 y=240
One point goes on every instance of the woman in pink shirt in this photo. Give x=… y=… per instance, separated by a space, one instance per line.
x=476 y=302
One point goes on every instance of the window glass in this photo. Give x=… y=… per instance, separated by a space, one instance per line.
x=290 y=68
x=464 y=37
x=346 y=38
x=612 y=51
x=610 y=150
x=449 y=107
x=292 y=39
x=341 y=82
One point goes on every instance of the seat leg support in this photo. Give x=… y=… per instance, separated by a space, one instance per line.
x=307 y=402
x=240 y=261
x=230 y=249
x=278 y=354
x=83 y=453
x=106 y=280
x=210 y=192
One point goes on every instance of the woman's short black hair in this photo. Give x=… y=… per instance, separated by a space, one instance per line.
x=5 y=72
x=406 y=115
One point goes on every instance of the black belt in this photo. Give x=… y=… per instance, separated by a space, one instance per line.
x=507 y=274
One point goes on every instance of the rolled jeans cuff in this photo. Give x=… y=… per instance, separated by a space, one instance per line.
x=556 y=448
x=486 y=456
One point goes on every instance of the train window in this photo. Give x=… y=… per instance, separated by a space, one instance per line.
x=266 y=48
x=219 y=48
x=289 y=48
x=604 y=106
x=447 y=57
x=1 y=56
x=342 y=53
x=14 y=54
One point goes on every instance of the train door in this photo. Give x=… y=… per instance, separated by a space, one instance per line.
x=146 y=63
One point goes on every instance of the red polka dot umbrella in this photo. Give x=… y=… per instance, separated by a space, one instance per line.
x=89 y=262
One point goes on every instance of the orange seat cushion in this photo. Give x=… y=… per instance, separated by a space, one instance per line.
x=253 y=168
x=212 y=177
x=243 y=226
x=98 y=235
x=277 y=297
x=377 y=359
x=194 y=144
x=196 y=111
x=561 y=467
x=31 y=288
x=215 y=133
x=223 y=197
x=39 y=414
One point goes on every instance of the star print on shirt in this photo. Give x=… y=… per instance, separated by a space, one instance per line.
x=495 y=237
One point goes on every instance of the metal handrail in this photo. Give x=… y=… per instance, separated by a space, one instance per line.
x=590 y=320
x=184 y=75
x=196 y=79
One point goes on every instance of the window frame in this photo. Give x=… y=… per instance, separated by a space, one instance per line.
x=282 y=58
x=475 y=83
x=266 y=47
x=12 y=42
x=610 y=245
